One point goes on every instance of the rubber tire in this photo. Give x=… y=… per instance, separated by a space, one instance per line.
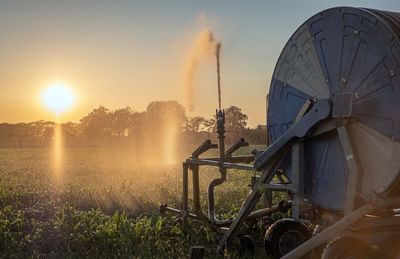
x=348 y=247
x=278 y=230
x=390 y=248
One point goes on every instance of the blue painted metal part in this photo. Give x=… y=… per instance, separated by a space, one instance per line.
x=339 y=50
x=360 y=53
x=285 y=102
x=320 y=111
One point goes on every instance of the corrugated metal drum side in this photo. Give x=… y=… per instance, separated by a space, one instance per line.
x=343 y=50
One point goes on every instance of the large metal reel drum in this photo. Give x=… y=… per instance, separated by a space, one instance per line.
x=351 y=51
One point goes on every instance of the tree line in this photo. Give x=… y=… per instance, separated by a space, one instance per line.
x=126 y=127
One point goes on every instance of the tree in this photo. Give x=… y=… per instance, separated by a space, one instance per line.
x=209 y=125
x=235 y=119
x=71 y=134
x=163 y=125
x=195 y=124
x=96 y=126
x=121 y=122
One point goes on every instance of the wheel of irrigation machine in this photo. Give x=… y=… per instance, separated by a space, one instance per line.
x=351 y=57
x=348 y=248
x=285 y=235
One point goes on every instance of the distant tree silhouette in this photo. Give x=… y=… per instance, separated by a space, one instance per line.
x=96 y=126
x=235 y=119
x=71 y=134
x=145 y=131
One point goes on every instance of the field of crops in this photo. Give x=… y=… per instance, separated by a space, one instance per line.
x=100 y=204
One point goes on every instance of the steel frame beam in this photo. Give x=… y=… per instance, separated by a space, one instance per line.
x=353 y=167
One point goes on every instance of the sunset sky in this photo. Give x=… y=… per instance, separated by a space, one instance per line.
x=129 y=53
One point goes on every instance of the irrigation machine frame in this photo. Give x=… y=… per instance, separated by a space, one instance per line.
x=314 y=119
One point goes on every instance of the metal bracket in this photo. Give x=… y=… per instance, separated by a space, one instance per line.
x=238 y=144
x=203 y=148
x=353 y=167
x=297 y=179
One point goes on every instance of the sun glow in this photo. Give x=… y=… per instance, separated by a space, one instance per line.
x=58 y=97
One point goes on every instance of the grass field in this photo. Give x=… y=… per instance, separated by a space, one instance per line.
x=100 y=204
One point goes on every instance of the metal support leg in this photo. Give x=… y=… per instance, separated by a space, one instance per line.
x=267 y=199
x=297 y=179
x=252 y=199
x=185 y=196
x=353 y=168
x=196 y=189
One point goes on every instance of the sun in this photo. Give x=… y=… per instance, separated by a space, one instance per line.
x=58 y=97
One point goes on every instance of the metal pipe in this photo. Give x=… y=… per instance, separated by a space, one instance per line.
x=217 y=163
x=233 y=159
x=278 y=187
x=211 y=198
x=264 y=212
x=221 y=223
x=185 y=195
x=196 y=188
x=170 y=209
x=297 y=185
x=206 y=145
x=220 y=114
x=222 y=170
x=238 y=144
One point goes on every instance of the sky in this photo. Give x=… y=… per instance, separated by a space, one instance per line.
x=129 y=53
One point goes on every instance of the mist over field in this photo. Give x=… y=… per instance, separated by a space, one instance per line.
x=101 y=203
x=76 y=189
